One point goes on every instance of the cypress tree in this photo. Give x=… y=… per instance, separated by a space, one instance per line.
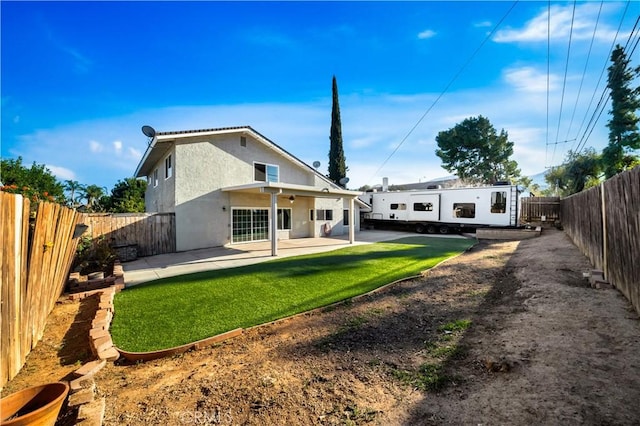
x=624 y=138
x=337 y=162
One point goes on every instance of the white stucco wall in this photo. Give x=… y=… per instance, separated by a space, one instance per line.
x=203 y=165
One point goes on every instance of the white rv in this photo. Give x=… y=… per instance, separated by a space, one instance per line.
x=444 y=210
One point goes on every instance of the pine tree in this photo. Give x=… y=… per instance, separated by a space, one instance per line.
x=624 y=137
x=337 y=162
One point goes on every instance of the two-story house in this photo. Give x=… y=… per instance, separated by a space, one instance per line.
x=233 y=185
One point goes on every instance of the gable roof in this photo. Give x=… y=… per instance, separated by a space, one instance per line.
x=162 y=142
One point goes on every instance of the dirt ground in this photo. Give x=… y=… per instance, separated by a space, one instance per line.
x=506 y=333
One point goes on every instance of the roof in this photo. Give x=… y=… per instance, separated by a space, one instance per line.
x=162 y=142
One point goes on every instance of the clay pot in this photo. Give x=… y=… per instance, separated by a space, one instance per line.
x=35 y=406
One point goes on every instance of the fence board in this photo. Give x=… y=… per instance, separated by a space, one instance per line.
x=582 y=219
x=154 y=233
x=532 y=209
x=32 y=278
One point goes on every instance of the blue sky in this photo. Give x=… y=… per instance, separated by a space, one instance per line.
x=79 y=79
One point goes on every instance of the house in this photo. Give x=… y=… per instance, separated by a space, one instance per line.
x=232 y=185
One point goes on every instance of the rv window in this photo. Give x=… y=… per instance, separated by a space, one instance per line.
x=498 y=202
x=422 y=207
x=467 y=210
x=398 y=206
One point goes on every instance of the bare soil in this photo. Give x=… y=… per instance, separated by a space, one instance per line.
x=541 y=347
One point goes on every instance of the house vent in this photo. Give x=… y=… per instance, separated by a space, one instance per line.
x=243 y=141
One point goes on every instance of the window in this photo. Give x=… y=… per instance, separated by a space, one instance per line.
x=249 y=225
x=168 y=170
x=466 y=210
x=243 y=141
x=323 y=215
x=499 y=202
x=422 y=207
x=311 y=215
x=155 y=178
x=265 y=172
x=284 y=218
x=398 y=206
x=345 y=217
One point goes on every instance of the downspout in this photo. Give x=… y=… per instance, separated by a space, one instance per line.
x=352 y=233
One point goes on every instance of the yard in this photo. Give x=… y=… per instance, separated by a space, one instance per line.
x=183 y=309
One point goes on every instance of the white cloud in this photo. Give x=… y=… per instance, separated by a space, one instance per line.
x=483 y=24
x=62 y=173
x=117 y=147
x=426 y=34
x=95 y=146
x=563 y=22
x=528 y=79
x=134 y=153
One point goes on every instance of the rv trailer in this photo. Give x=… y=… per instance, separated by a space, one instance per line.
x=444 y=210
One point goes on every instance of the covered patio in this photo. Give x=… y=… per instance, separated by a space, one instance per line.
x=168 y=265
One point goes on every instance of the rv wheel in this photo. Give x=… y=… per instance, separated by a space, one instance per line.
x=419 y=228
x=444 y=229
x=431 y=229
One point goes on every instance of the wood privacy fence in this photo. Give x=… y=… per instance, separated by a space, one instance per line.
x=35 y=258
x=154 y=233
x=604 y=222
x=534 y=209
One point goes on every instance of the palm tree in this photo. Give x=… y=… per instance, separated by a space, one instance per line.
x=93 y=193
x=73 y=186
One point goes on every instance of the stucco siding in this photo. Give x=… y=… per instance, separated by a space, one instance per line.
x=161 y=197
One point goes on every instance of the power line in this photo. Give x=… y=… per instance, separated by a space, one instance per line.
x=455 y=77
x=602 y=103
x=564 y=81
x=584 y=72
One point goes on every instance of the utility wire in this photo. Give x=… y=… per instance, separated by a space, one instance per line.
x=601 y=103
x=455 y=77
x=564 y=82
x=546 y=144
x=584 y=72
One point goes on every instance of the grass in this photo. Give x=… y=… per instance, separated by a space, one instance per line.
x=183 y=309
x=431 y=376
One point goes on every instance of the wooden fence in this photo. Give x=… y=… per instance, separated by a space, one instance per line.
x=604 y=222
x=535 y=209
x=154 y=233
x=35 y=257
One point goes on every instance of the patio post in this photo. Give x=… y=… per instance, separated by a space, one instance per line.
x=352 y=224
x=274 y=224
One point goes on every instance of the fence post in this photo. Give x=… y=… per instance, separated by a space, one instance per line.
x=604 y=231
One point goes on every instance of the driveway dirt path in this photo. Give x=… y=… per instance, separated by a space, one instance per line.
x=506 y=333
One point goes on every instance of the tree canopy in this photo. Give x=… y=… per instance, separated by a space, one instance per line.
x=578 y=172
x=337 y=161
x=476 y=153
x=127 y=196
x=35 y=182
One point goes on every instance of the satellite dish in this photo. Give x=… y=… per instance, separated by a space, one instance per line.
x=344 y=181
x=148 y=131
x=316 y=164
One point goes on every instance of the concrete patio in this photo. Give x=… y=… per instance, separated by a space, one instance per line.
x=168 y=265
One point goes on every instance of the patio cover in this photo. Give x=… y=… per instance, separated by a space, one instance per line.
x=279 y=188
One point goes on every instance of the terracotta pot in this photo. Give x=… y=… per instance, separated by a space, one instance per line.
x=35 y=406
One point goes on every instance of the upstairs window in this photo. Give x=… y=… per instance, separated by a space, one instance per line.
x=168 y=170
x=265 y=172
x=155 y=178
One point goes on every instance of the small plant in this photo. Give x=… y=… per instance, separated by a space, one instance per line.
x=94 y=255
x=454 y=326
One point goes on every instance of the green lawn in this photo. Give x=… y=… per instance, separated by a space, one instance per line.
x=178 y=310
